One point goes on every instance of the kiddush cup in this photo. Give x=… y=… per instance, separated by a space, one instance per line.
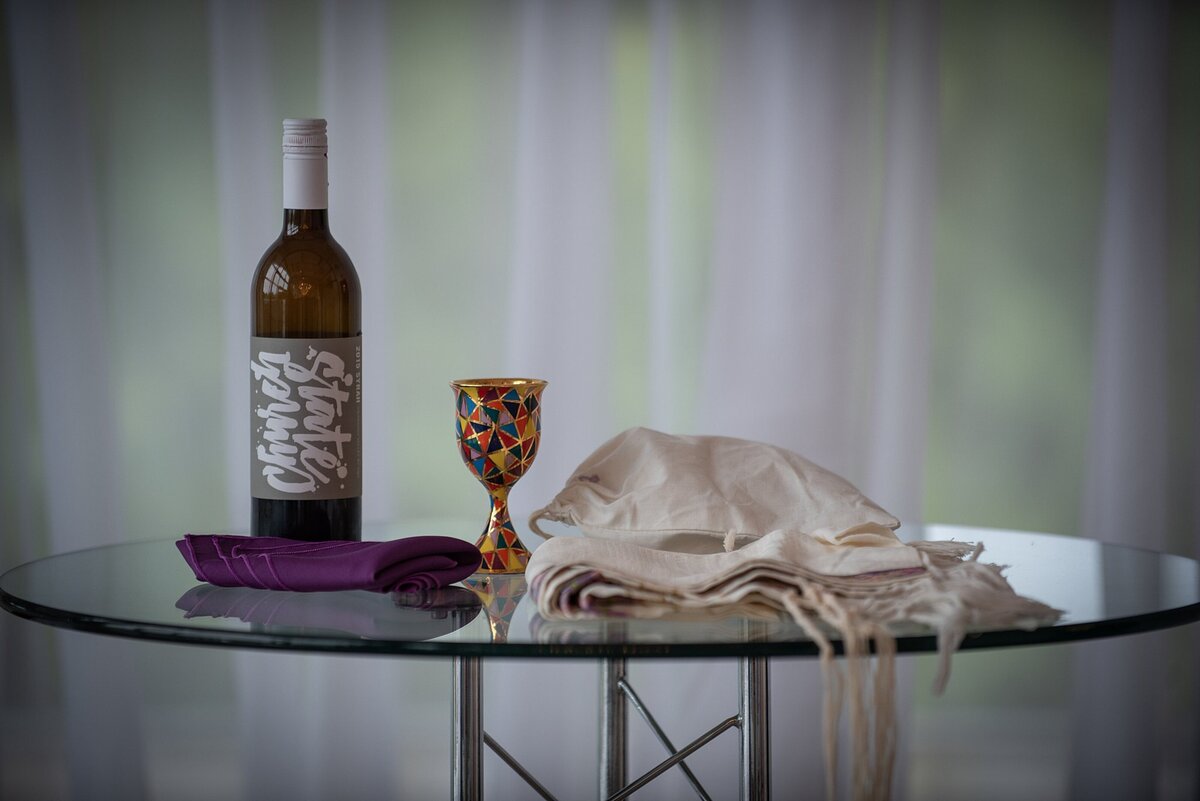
x=498 y=426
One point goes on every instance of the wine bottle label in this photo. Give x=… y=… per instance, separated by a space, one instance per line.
x=305 y=418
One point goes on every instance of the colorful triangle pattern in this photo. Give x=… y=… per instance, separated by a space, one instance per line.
x=498 y=432
x=502 y=550
x=498 y=428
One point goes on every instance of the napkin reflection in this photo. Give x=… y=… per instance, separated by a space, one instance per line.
x=410 y=616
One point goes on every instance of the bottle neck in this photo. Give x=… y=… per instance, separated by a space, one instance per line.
x=302 y=221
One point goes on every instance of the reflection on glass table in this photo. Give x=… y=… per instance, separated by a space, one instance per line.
x=416 y=616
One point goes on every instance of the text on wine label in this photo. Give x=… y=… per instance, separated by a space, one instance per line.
x=302 y=448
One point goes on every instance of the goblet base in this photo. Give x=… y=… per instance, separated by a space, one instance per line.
x=501 y=548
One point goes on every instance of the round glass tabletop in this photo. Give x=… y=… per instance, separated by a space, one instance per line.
x=145 y=590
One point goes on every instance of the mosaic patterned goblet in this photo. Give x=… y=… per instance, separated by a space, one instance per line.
x=499 y=423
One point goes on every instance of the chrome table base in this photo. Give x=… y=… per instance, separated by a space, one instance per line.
x=616 y=695
x=466 y=754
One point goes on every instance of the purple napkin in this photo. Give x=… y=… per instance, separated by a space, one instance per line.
x=273 y=563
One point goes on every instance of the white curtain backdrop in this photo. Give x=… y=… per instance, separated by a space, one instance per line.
x=772 y=276
x=71 y=351
x=1129 y=419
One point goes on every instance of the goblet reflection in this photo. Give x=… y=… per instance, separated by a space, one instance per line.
x=500 y=596
x=498 y=425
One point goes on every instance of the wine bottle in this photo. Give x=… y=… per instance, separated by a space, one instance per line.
x=305 y=362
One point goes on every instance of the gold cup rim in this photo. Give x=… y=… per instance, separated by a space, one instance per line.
x=499 y=383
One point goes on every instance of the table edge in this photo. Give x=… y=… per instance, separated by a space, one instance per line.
x=315 y=644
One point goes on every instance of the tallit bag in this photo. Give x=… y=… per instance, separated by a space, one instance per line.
x=695 y=494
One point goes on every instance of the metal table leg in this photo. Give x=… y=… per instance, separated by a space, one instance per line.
x=754 y=689
x=753 y=719
x=466 y=752
x=614 y=727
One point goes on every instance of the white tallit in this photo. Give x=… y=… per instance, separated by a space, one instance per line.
x=725 y=526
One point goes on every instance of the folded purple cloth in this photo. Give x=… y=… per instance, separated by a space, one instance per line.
x=274 y=563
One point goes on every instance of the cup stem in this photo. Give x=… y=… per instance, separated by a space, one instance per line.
x=502 y=549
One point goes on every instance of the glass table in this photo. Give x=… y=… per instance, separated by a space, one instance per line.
x=146 y=591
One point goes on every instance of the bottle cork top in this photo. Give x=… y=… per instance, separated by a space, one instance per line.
x=305 y=137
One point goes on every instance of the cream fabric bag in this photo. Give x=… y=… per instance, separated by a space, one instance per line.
x=695 y=494
x=720 y=526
